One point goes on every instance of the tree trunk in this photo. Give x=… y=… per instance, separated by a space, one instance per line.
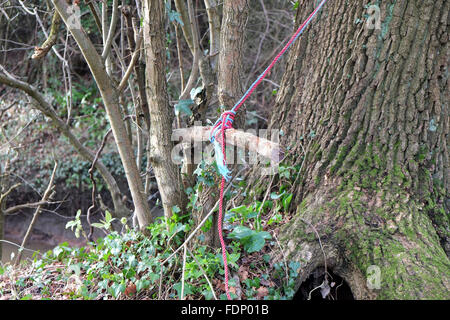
x=110 y=98
x=370 y=106
x=229 y=87
x=161 y=114
x=232 y=37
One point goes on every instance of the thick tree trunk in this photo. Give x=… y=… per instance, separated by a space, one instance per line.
x=161 y=114
x=370 y=106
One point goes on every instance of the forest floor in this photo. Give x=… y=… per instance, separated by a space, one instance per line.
x=128 y=265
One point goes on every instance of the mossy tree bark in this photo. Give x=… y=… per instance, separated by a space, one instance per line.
x=370 y=106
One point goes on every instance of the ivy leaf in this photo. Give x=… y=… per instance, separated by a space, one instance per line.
x=241 y=210
x=194 y=92
x=176 y=209
x=287 y=202
x=187 y=288
x=183 y=106
x=142 y=284
x=254 y=243
x=175 y=16
x=241 y=232
x=433 y=126
x=274 y=196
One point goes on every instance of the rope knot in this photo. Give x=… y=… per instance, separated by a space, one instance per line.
x=224 y=122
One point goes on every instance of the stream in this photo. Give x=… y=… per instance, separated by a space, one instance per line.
x=48 y=232
x=9 y=249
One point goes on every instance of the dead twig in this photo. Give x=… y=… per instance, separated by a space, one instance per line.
x=94 y=185
x=47 y=194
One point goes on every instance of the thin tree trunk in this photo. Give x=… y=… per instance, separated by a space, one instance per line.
x=372 y=104
x=47 y=195
x=234 y=21
x=111 y=101
x=161 y=113
x=3 y=185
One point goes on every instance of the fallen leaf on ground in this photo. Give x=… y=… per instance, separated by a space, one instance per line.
x=262 y=292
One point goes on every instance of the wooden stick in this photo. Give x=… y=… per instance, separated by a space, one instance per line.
x=264 y=147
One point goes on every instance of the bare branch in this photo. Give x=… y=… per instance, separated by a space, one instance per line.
x=184 y=16
x=4 y=195
x=133 y=61
x=110 y=98
x=19 y=207
x=47 y=195
x=40 y=52
x=45 y=107
x=112 y=29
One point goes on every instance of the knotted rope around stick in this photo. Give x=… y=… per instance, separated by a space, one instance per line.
x=225 y=122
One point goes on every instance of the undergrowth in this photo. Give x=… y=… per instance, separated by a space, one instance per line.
x=131 y=265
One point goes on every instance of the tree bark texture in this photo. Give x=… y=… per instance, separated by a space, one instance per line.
x=161 y=113
x=229 y=87
x=232 y=37
x=370 y=106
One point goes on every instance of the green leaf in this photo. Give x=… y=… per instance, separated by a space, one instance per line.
x=175 y=209
x=187 y=288
x=241 y=232
x=142 y=284
x=175 y=16
x=108 y=217
x=275 y=196
x=75 y=268
x=183 y=106
x=265 y=235
x=195 y=92
x=71 y=224
x=254 y=243
x=98 y=225
x=240 y=209
x=287 y=202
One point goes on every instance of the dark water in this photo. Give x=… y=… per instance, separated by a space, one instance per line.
x=48 y=232
x=8 y=249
